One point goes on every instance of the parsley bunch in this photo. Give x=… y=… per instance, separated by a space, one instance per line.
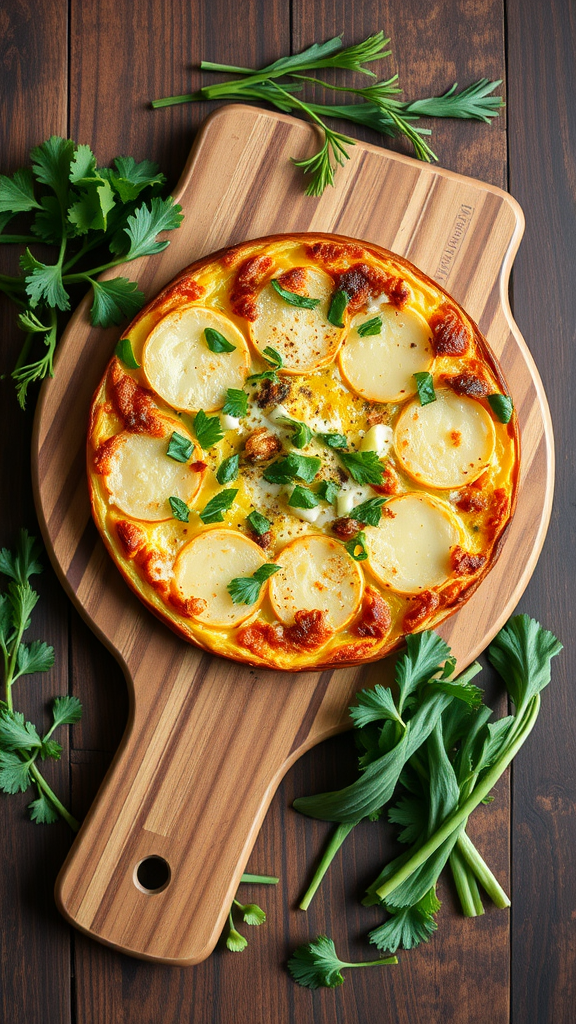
x=376 y=105
x=20 y=743
x=66 y=201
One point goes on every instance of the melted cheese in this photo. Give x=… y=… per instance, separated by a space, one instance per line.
x=204 y=568
x=446 y=444
x=317 y=575
x=380 y=367
x=303 y=337
x=142 y=477
x=181 y=368
x=410 y=550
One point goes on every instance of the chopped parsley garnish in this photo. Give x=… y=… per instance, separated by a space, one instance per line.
x=273 y=357
x=328 y=490
x=246 y=589
x=501 y=406
x=259 y=523
x=369 y=512
x=208 y=429
x=425 y=385
x=228 y=469
x=357 y=547
x=338 y=304
x=373 y=326
x=217 y=506
x=364 y=467
x=293 y=467
x=333 y=440
x=217 y=342
x=236 y=403
x=292 y=298
x=180 y=448
x=301 y=497
x=180 y=509
x=302 y=434
x=125 y=352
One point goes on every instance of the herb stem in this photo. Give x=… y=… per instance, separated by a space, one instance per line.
x=260 y=879
x=338 y=837
x=43 y=785
x=19 y=239
x=478 y=865
x=466 y=885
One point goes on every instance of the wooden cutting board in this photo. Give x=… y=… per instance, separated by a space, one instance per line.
x=207 y=740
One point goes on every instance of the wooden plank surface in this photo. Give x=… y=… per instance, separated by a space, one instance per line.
x=464 y=969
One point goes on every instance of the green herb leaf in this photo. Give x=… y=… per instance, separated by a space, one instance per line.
x=24 y=563
x=369 y=327
x=17 y=192
x=406 y=928
x=51 y=749
x=292 y=298
x=180 y=448
x=328 y=490
x=246 y=589
x=293 y=467
x=51 y=164
x=236 y=403
x=179 y=508
x=35 y=657
x=364 y=467
x=251 y=913
x=425 y=385
x=333 y=440
x=357 y=547
x=114 y=300
x=217 y=342
x=146 y=223
x=42 y=810
x=228 y=469
x=317 y=964
x=472 y=102
x=274 y=357
x=15 y=733
x=47 y=223
x=301 y=497
x=217 y=506
x=132 y=178
x=208 y=429
x=338 y=304
x=521 y=653
x=259 y=523
x=374 y=706
x=91 y=211
x=44 y=282
x=83 y=164
x=66 y=710
x=14 y=773
x=369 y=512
x=125 y=352
x=235 y=942
x=302 y=434
x=425 y=655
x=501 y=406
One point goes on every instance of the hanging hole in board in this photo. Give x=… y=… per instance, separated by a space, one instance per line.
x=152 y=875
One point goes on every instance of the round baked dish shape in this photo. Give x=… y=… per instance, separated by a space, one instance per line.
x=296 y=458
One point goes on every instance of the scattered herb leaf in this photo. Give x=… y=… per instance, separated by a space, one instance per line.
x=364 y=467
x=425 y=385
x=217 y=506
x=217 y=342
x=125 y=352
x=180 y=509
x=228 y=469
x=338 y=304
x=357 y=547
x=292 y=298
x=236 y=403
x=501 y=406
x=302 y=497
x=208 y=429
x=246 y=589
x=258 y=523
x=369 y=327
x=180 y=448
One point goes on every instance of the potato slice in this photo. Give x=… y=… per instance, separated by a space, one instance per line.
x=317 y=575
x=205 y=567
x=380 y=367
x=410 y=550
x=181 y=368
x=446 y=444
x=141 y=476
x=304 y=337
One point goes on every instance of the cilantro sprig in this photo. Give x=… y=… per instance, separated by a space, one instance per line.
x=317 y=964
x=94 y=218
x=21 y=745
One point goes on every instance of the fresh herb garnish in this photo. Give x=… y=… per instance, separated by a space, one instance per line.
x=292 y=298
x=328 y=490
x=76 y=207
x=125 y=352
x=246 y=589
x=228 y=469
x=364 y=467
x=180 y=448
x=357 y=547
x=338 y=304
x=425 y=385
x=251 y=914
x=20 y=742
x=208 y=429
x=317 y=964
x=369 y=327
x=333 y=440
x=273 y=357
x=501 y=406
x=236 y=403
x=217 y=342
x=259 y=523
x=179 y=508
x=302 y=434
x=369 y=512
x=217 y=506
x=302 y=497
x=293 y=467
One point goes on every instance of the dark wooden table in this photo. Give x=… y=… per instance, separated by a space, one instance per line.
x=86 y=70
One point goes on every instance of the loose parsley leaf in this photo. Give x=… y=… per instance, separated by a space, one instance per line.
x=501 y=406
x=369 y=327
x=14 y=773
x=425 y=385
x=364 y=467
x=301 y=497
x=217 y=342
x=228 y=469
x=246 y=589
x=217 y=506
x=17 y=192
x=302 y=434
x=44 y=282
x=208 y=429
x=333 y=440
x=66 y=710
x=292 y=298
x=42 y=811
x=259 y=523
x=357 y=547
x=317 y=964
x=146 y=223
x=15 y=733
x=179 y=508
x=328 y=490
x=369 y=511
x=180 y=448
x=293 y=467
x=114 y=300
x=125 y=352
x=338 y=304
x=236 y=403
x=35 y=657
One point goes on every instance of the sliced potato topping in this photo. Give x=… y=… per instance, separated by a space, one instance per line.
x=205 y=567
x=303 y=337
x=141 y=477
x=317 y=575
x=183 y=370
x=380 y=367
x=446 y=444
x=410 y=550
